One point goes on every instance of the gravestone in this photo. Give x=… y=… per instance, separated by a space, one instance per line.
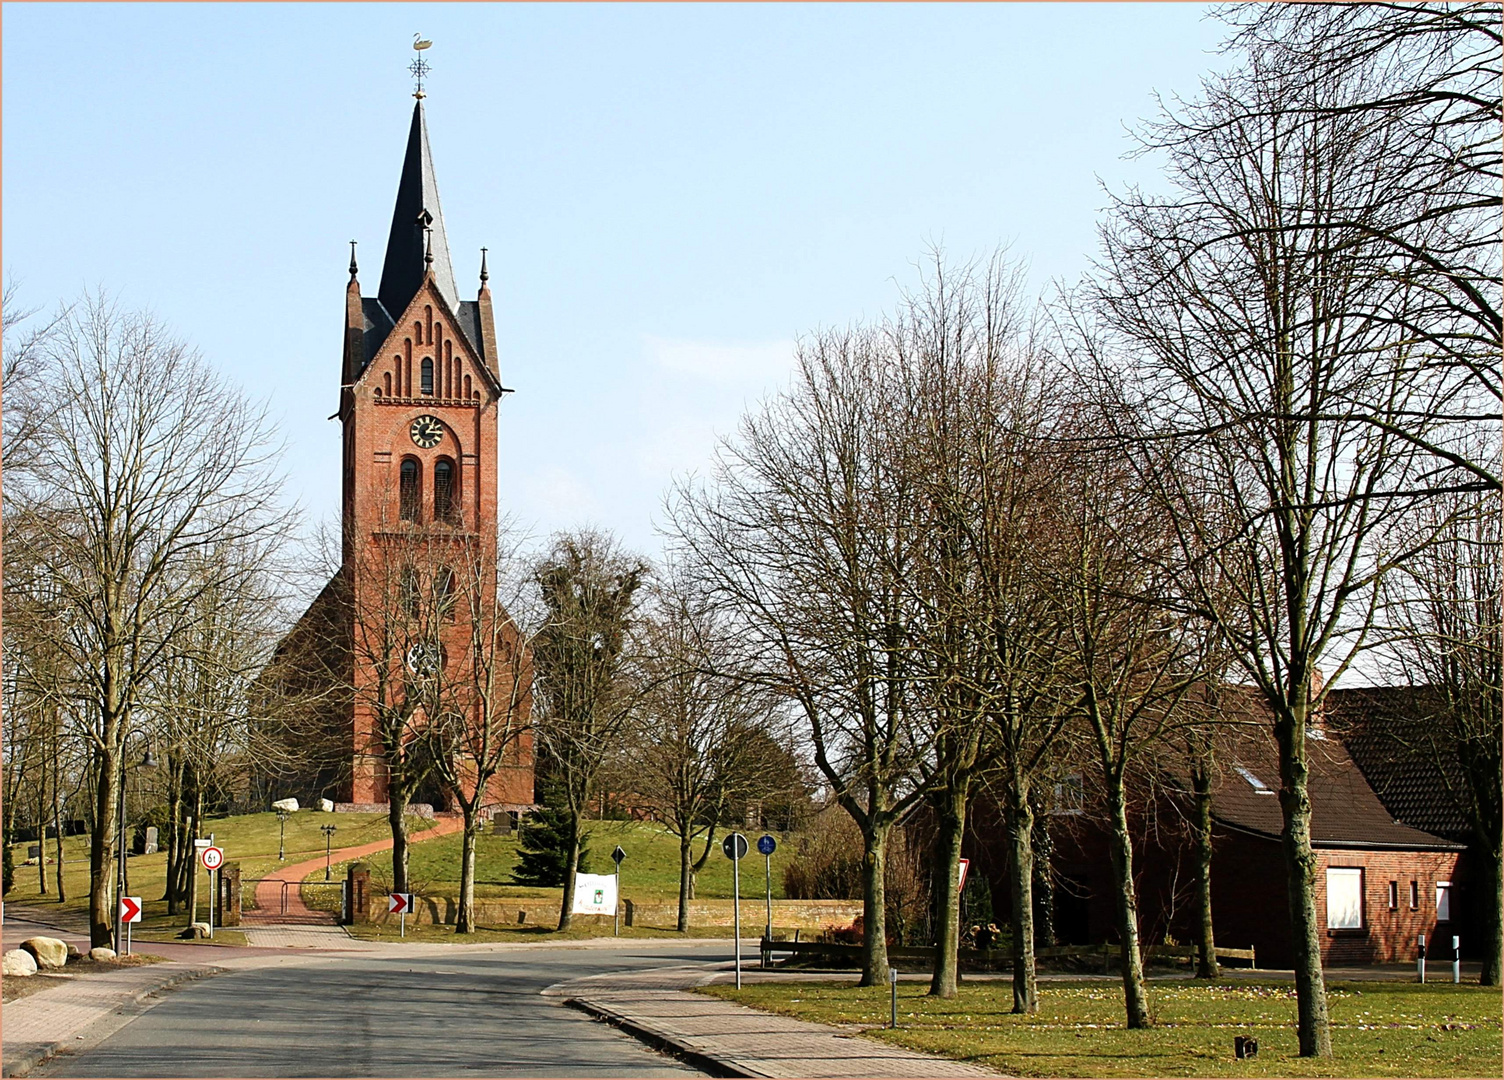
x=151 y=841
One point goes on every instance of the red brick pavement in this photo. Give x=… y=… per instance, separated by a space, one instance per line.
x=270 y=891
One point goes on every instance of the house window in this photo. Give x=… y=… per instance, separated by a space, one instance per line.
x=409 y=490
x=1259 y=787
x=426 y=375
x=1443 y=901
x=1414 y=895
x=1344 y=898
x=443 y=490
x=1394 y=896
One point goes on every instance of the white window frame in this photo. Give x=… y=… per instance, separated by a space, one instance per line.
x=1444 y=891
x=1339 y=917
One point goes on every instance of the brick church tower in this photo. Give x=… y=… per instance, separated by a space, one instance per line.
x=420 y=387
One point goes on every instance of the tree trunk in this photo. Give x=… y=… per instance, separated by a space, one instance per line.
x=42 y=828
x=571 y=869
x=1491 y=892
x=464 y=918
x=1021 y=888
x=102 y=852
x=396 y=816
x=190 y=867
x=947 y=902
x=1042 y=847
x=874 y=908
x=1135 y=996
x=686 y=875
x=57 y=834
x=1312 y=1025
x=1206 y=940
x=172 y=893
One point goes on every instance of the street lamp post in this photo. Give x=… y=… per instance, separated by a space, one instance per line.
x=328 y=831
x=120 y=854
x=281 y=835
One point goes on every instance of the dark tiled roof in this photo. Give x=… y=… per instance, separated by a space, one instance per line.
x=378 y=324
x=1345 y=812
x=1392 y=734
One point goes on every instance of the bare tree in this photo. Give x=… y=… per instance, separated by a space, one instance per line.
x=806 y=538
x=589 y=590
x=1443 y=629
x=694 y=750
x=143 y=458
x=480 y=694
x=1250 y=304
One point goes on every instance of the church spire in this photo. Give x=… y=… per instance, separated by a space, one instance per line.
x=417 y=229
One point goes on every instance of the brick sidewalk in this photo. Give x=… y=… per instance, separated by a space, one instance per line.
x=269 y=891
x=38 y=1026
x=726 y=1039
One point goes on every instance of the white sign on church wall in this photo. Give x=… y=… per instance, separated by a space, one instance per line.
x=594 y=894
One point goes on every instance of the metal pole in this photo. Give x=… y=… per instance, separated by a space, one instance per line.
x=327 y=836
x=1456 y=959
x=213 y=896
x=893 y=982
x=1420 y=957
x=281 y=835
x=736 y=907
x=616 y=911
x=768 y=883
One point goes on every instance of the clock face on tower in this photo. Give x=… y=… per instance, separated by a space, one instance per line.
x=426 y=431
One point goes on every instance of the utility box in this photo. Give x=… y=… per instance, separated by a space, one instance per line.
x=227 y=903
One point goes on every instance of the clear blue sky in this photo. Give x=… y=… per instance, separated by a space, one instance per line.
x=670 y=194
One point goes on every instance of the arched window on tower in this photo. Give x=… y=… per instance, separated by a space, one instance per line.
x=427 y=375
x=410 y=490
x=445 y=501
x=444 y=593
x=408 y=595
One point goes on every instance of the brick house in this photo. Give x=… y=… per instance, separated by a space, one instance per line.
x=1380 y=883
x=419 y=390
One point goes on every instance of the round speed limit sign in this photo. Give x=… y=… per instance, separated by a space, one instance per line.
x=212 y=858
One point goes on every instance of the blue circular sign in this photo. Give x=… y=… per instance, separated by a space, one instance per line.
x=766 y=844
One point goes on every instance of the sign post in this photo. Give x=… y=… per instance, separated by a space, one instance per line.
x=617 y=856
x=767 y=845
x=735 y=846
x=893 y=982
x=130 y=911
x=401 y=903
x=212 y=858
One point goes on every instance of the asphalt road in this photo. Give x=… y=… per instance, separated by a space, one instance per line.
x=466 y=1014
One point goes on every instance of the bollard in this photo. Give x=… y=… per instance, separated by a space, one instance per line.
x=1420 y=957
x=1456 y=959
x=893 y=982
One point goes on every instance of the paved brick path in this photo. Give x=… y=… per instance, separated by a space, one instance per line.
x=36 y=1027
x=733 y=1040
x=270 y=892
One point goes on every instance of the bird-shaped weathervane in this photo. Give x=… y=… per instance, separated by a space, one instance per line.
x=419 y=67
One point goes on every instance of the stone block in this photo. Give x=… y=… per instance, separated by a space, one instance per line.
x=290 y=805
x=50 y=952
x=326 y=805
x=150 y=847
x=195 y=931
x=17 y=964
x=101 y=953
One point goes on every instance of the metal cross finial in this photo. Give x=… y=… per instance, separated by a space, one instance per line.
x=483 y=275
x=428 y=252
x=419 y=67
x=352 y=260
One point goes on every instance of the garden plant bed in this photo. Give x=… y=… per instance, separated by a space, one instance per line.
x=1378 y=1028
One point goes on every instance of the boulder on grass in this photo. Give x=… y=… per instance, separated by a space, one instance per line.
x=290 y=805
x=195 y=930
x=17 y=964
x=101 y=952
x=49 y=952
x=326 y=805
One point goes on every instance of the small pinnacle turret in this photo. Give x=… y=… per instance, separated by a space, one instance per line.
x=353 y=268
x=484 y=277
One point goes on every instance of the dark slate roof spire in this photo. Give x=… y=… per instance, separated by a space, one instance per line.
x=417 y=213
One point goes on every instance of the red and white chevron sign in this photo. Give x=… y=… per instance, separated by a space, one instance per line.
x=130 y=909
x=399 y=903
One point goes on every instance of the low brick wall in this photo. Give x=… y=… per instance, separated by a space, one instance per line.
x=807 y=915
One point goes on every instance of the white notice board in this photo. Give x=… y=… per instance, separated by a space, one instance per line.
x=594 y=894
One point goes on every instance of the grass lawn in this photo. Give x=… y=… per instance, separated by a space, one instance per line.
x=250 y=839
x=1378 y=1028
x=584 y=927
x=650 y=871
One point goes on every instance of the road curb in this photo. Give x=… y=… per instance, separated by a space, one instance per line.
x=29 y=1060
x=658 y=1039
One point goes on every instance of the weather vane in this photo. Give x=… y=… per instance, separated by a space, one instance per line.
x=419 y=67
